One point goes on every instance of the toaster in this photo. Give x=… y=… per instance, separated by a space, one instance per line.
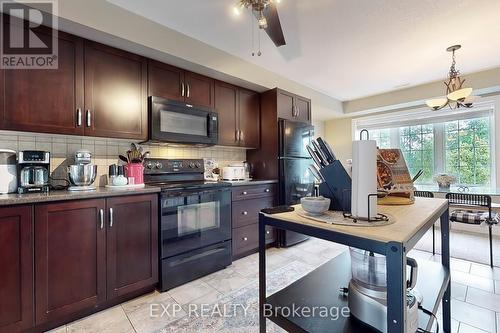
x=233 y=173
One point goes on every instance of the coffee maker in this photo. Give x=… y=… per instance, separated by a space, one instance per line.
x=33 y=171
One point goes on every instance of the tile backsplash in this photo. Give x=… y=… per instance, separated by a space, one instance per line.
x=105 y=151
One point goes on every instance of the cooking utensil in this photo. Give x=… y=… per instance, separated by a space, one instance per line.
x=419 y=173
x=327 y=150
x=324 y=158
x=315 y=158
x=123 y=158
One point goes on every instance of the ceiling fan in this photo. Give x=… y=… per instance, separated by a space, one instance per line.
x=267 y=17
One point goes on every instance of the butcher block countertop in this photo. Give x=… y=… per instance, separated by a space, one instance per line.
x=64 y=195
x=409 y=220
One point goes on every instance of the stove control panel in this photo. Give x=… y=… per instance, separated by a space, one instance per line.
x=159 y=165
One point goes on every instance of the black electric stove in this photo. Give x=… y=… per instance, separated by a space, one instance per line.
x=194 y=223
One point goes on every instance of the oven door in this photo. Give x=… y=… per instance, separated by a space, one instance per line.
x=193 y=219
x=177 y=122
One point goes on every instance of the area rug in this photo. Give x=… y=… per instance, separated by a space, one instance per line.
x=239 y=311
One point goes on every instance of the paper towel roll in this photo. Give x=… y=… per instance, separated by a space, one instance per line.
x=364 y=178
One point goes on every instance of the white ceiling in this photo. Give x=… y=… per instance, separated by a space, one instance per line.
x=347 y=49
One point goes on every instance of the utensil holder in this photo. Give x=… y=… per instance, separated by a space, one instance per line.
x=337 y=186
x=135 y=170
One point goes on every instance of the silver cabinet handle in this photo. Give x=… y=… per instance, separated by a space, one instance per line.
x=187 y=93
x=267 y=190
x=111 y=217
x=267 y=232
x=245 y=239
x=244 y=213
x=293 y=111
x=236 y=135
x=78 y=117
x=182 y=89
x=244 y=193
x=241 y=136
x=298 y=111
x=101 y=217
x=88 y=118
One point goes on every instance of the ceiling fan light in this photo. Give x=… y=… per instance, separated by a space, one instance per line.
x=237 y=10
x=262 y=22
x=436 y=103
x=460 y=95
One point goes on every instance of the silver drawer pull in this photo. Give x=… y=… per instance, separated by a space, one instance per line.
x=245 y=239
x=244 y=213
x=111 y=219
x=101 y=217
x=268 y=232
x=244 y=193
x=267 y=190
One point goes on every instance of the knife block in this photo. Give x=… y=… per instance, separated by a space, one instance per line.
x=337 y=186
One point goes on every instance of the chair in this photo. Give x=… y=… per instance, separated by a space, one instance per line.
x=427 y=194
x=471 y=216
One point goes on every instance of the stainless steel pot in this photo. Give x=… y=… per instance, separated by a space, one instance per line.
x=82 y=174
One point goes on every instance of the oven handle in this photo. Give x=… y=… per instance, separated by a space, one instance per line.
x=199 y=256
x=178 y=194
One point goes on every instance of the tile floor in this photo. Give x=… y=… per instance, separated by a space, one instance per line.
x=475 y=290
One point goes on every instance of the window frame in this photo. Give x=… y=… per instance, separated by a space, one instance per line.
x=395 y=120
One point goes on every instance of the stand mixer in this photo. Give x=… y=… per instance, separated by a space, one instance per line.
x=367 y=292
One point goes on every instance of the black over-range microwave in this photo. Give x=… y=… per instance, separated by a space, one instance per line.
x=173 y=122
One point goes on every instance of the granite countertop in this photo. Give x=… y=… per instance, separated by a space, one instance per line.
x=63 y=195
x=254 y=182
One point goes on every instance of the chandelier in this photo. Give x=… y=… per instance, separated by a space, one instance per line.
x=456 y=95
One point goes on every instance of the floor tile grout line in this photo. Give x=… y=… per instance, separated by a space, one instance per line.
x=130 y=321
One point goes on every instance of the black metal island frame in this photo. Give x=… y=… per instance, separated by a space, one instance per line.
x=320 y=288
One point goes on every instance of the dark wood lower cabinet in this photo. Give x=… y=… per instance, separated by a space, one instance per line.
x=132 y=255
x=16 y=269
x=70 y=258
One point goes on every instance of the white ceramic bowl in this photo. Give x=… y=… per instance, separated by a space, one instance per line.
x=315 y=205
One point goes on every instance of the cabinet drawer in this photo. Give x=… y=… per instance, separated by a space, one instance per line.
x=253 y=192
x=246 y=212
x=245 y=239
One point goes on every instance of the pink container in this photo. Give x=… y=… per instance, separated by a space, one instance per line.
x=135 y=170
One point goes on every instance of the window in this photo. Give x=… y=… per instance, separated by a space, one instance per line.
x=458 y=142
x=417 y=146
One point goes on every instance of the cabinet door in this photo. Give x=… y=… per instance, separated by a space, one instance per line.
x=115 y=93
x=285 y=105
x=70 y=258
x=16 y=265
x=45 y=100
x=226 y=105
x=165 y=81
x=303 y=109
x=132 y=244
x=199 y=89
x=249 y=112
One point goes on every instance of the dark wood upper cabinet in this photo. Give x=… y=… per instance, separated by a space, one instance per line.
x=70 y=258
x=174 y=83
x=293 y=107
x=16 y=265
x=46 y=100
x=226 y=105
x=132 y=244
x=199 y=89
x=115 y=93
x=303 y=107
x=239 y=115
x=165 y=81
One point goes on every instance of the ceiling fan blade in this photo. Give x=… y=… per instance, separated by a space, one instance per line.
x=274 y=30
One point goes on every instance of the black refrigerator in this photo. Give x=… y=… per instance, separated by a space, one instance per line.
x=295 y=179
